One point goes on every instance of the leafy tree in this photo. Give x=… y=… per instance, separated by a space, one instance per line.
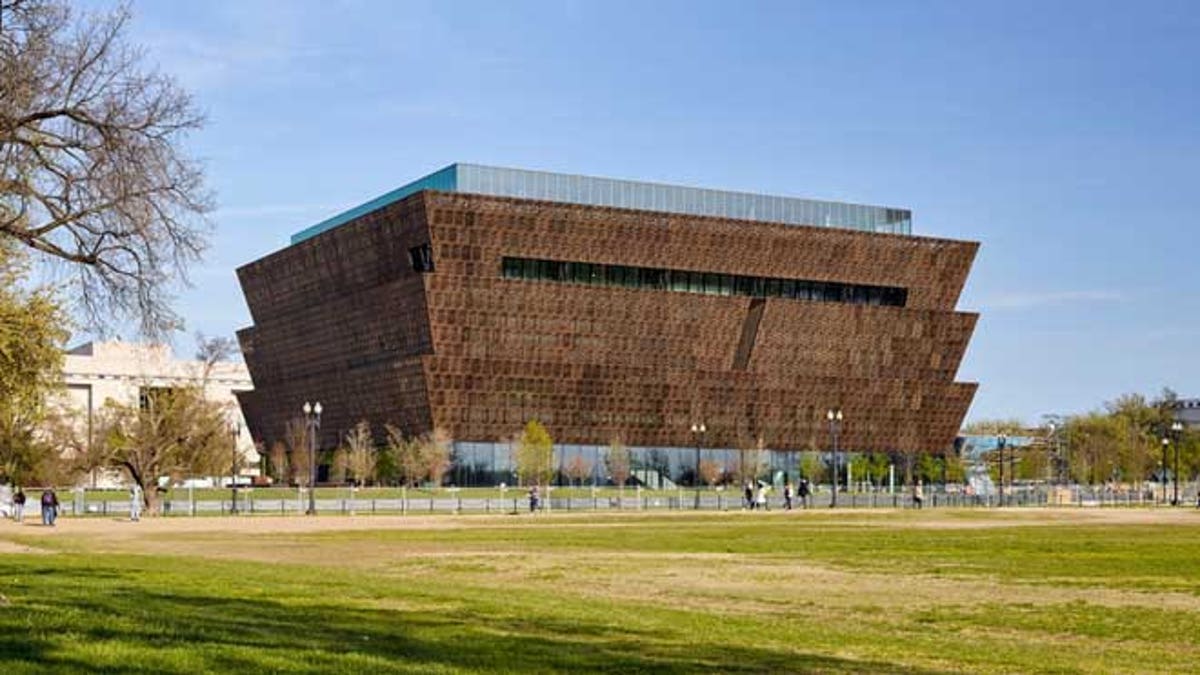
x=875 y=466
x=619 y=462
x=1094 y=440
x=534 y=454
x=956 y=470
x=32 y=334
x=427 y=457
x=406 y=453
x=387 y=466
x=991 y=427
x=94 y=170
x=928 y=468
x=812 y=468
x=176 y=433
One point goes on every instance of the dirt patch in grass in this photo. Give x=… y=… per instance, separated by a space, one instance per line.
x=10 y=548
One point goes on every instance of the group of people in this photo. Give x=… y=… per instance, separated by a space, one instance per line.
x=50 y=505
x=49 y=502
x=757 y=499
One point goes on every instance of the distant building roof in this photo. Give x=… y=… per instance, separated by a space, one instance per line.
x=626 y=194
x=116 y=360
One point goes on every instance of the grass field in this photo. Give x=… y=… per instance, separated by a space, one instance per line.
x=946 y=591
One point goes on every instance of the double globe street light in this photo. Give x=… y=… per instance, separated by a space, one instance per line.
x=235 y=432
x=1176 y=430
x=698 y=431
x=834 y=415
x=312 y=423
x=1001 y=442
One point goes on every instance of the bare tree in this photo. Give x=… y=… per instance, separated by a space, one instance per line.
x=752 y=460
x=280 y=470
x=711 y=472
x=435 y=456
x=620 y=464
x=212 y=350
x=295 y=437
x=577 y=469
x=93 y=168
x=357 y=454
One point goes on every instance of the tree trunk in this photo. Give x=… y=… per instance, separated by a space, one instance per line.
x=150 y=499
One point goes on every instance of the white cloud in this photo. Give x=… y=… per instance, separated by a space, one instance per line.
x=1030 y=299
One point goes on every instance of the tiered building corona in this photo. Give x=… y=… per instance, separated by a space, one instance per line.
x=477 y=298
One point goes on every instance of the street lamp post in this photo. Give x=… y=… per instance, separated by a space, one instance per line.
x=1001 y=442
x=1056 y=478
x=1162 y=468
x=235 y=431
x=1176 y=430
x=698 y=431
x=834 y=415
x=312 y=418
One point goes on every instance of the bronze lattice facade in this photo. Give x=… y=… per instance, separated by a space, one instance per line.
x=354 y=316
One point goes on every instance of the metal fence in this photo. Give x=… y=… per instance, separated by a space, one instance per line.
x=77 y=504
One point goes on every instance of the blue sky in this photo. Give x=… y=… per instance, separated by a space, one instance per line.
x=1065 y=136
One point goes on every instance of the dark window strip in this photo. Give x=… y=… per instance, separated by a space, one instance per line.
x=709 y=283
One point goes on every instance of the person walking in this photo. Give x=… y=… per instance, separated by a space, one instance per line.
x=748 y=495
x=135 y=503
x=918 y=494
x=760 y=501
x=804 y=491
x=787 y=495
x=534 y=499
x=19 y=505
x=49 y=507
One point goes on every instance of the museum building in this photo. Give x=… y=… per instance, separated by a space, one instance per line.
x=477 y=298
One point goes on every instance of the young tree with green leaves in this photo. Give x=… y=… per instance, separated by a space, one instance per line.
x=405 y=452
x=533 y=454
x=176 y=433
x=812 y=468
x=32 y=335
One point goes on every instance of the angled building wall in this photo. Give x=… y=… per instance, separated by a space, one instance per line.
x=856 y=320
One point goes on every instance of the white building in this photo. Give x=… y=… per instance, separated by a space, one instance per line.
x=1187 y=410
x=98 y=371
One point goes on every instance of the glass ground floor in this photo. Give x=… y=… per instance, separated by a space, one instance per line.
x=490 y=464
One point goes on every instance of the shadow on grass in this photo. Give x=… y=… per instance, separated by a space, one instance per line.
x=110 y=618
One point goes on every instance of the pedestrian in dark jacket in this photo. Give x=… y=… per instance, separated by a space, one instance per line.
x=19 y=505
x=49 y=507
x=748 y=495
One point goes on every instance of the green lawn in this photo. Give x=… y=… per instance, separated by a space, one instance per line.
x=1049 y=591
